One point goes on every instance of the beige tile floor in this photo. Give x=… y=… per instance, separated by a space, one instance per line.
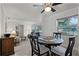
x=23 y=49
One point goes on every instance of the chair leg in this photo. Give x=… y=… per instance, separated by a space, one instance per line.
x=32 y=53
x=52 y=54
x=70 y=53
x=39 y=54
x=48 y=53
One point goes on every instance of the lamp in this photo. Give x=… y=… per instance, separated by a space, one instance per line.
x=13 y=34
x=47 y=9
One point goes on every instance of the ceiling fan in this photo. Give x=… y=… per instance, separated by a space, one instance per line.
x=48 y=7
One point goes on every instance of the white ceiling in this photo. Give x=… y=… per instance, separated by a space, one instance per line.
x=21 y=10
x=65 y=7
x=29 y=12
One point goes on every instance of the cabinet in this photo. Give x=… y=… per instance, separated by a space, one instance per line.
x=6 y=46
x=0 y=47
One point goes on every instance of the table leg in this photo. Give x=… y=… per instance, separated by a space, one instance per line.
x=49 y=47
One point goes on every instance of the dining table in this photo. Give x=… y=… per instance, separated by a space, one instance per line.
x=49 y=41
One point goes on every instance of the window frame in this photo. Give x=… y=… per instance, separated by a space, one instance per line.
x=67 y=27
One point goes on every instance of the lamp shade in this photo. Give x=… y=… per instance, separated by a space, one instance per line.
x=13 y=34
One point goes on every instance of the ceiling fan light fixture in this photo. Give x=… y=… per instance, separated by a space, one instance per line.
x=47 y=9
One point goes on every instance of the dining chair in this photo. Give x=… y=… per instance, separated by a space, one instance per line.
x=61 y=51
x=37 y=48
x=56 y=35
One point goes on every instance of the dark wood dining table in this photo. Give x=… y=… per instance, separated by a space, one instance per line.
x=49 y=41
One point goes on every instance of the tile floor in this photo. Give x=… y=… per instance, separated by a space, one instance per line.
x=23 y=49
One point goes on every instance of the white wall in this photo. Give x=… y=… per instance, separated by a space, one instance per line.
x=27 y=27
x=48 y=26
x=0 y=20
x=11 y=24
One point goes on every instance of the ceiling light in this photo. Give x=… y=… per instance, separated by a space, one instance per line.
x=47 y=9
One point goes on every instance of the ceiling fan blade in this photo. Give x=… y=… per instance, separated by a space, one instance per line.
x=42 y=11
x=54 y=4
x=53 y=10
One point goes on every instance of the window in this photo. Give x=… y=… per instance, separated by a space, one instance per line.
x=36 y=28
x=68 y=25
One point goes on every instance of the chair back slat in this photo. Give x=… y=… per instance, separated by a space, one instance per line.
x=30 y=38
x=56 y=35
x=70 y=46
x=34 y=43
